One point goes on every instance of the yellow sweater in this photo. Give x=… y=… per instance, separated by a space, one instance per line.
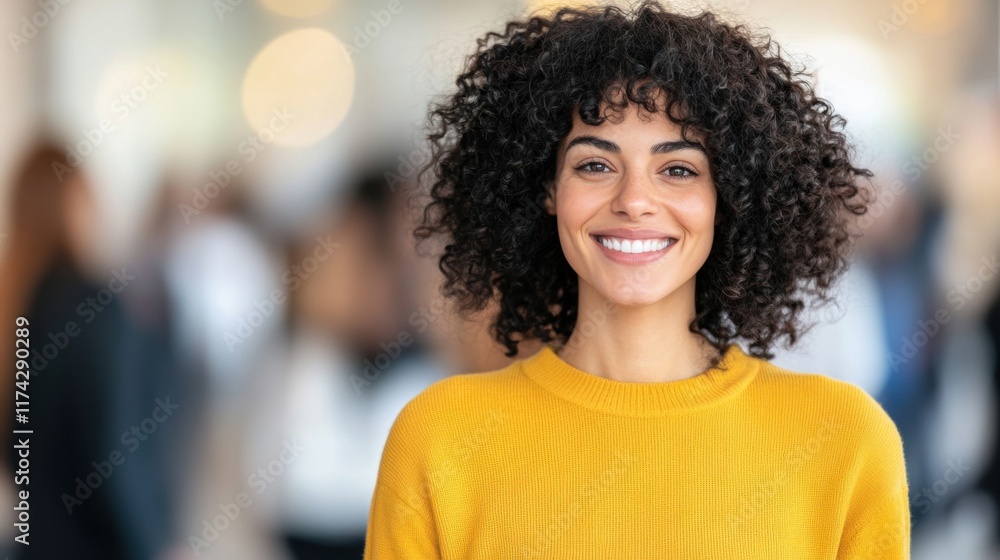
x=542 y=460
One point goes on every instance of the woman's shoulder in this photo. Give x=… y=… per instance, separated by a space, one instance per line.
x=841 y=404
x=463 y=399
x=461 y=387
x=780 y=380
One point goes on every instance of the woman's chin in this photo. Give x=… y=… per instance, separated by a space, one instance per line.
x=634 y=298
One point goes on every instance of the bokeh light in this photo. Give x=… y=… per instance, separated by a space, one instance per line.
x=298 y=88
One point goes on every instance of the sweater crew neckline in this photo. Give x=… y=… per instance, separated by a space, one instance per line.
x=734 y=371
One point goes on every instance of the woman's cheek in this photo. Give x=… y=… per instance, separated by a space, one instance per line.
x=697 y=211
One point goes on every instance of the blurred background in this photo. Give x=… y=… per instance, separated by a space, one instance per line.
x=204 y=214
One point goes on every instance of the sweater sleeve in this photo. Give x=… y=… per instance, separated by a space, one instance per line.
x=878 y=512
x=401 y=520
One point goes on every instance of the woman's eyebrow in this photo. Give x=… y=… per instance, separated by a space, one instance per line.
x=673 y=146
x=599 y=143
x=609 y=146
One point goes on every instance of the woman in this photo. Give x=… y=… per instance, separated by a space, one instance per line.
x=95 y=372
x=640 y=191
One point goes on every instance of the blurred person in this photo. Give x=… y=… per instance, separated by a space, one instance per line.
x=899 y=255
x=97 y=489
x=896 y=252
x=641 y=191
x=968 y=264
x=357 y=354
x=222 y=268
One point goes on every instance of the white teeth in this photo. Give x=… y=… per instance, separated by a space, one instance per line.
x=635 y=245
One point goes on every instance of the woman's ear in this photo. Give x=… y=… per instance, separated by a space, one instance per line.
x=550 y=197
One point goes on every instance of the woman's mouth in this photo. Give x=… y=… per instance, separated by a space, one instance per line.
x=635 y=245
x=633 y=251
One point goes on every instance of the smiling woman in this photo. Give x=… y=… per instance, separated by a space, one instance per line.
x=696 y=192
x=632 y=191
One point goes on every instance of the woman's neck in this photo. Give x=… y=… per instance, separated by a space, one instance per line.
x=647 y=343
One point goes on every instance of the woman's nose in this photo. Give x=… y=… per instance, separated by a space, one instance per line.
x=634 y=196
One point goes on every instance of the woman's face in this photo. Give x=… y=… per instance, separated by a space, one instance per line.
x=634 y=206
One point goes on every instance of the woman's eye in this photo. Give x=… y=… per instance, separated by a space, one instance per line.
x=680 y=171
x=593 y=167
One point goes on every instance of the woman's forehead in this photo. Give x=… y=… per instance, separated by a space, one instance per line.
x=618 y=120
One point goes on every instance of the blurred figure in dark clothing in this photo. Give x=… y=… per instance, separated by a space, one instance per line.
x=348 y=311
x=100 y=405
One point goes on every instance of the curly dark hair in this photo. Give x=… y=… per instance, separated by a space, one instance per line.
x=788 y=191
